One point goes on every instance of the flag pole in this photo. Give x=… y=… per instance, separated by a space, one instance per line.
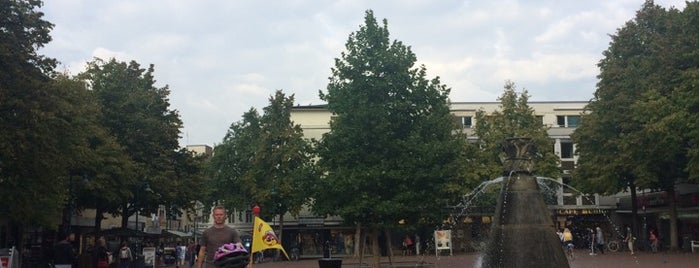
x=256 y=213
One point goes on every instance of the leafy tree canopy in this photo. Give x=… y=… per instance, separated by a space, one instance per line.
x=392 y=147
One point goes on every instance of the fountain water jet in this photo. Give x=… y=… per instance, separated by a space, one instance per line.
x=522 y=233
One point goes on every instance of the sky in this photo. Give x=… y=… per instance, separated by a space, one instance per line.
x=222 y=58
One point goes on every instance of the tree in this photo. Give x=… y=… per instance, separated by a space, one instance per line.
x=232 y=160
x=138 y=115
x=392 y=142
x=637 y=134
x=32 y=160
x=264 y=160
x=515 y=119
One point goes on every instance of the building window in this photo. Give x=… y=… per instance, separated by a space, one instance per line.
x=566 y=149
x=464 y=121
x=541 y=119
x=568 y=120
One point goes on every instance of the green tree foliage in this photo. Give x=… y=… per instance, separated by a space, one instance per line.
x=138 y=115
x=232 y=160
x=392 y=147
x=32 y=157
x=514 y=119
x=263 y=160
x=638 y=133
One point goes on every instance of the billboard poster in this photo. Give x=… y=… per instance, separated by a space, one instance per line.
x=442 y=241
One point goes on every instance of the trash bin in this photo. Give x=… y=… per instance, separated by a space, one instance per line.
x=329 y=263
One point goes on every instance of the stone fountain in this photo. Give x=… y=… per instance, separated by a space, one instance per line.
x=522 y=233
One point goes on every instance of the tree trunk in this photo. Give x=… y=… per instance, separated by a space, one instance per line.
x=98 y=222
x=358 y=240
x=125 y=215
x=375 y=250
x=389 y=245
x=673 y=218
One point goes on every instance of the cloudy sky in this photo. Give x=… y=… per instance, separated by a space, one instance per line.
x=220 y=58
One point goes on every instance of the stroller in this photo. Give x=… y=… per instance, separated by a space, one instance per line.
x=231 y=255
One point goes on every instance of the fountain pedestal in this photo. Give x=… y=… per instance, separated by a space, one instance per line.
x=522 y=233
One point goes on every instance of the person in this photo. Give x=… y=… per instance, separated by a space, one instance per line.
x=629 y=239
x=417 y=244
x=653 y=241
x=568 y=242
x=599 y=240
x=63 y=252
x=125 y=256
x=407 y=245
x=191 y=253
x=559 y=232
x=180 y=252
x=214 y=237
x=101 y=254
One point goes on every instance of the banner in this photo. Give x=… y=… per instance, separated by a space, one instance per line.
x=263 y=237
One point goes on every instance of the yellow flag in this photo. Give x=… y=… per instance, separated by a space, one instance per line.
x=263 y=237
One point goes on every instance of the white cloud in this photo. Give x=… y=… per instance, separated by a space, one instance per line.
x=222 y=57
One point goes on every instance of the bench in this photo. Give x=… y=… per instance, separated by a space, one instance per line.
x=694 y=244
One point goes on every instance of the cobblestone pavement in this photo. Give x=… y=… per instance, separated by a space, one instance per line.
x=582 y=260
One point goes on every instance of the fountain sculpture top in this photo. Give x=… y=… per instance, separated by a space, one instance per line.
x=519 y=155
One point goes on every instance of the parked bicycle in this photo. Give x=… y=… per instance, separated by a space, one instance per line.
x=617 y=245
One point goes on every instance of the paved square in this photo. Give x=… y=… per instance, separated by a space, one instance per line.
x=582 y=260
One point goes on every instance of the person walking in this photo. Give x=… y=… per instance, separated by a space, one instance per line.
x=407 y=246
x=599 y=239
x=214 y=237
x=63 y=252
x=101 y=256
x=653 y=241
x=191 y=253
x=629 y=239
x=125 y=256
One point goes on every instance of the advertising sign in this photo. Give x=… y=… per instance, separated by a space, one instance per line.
x=442 y=241
x=149 y=256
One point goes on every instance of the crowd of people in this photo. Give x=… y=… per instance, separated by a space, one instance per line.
x=598 y=242
x=192 y=255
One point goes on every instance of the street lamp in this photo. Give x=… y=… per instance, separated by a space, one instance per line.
x=146 y=187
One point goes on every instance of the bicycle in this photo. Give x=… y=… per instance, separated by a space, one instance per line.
x=617 y=245
x=569 y=250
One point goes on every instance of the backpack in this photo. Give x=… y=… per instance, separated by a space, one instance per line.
x=124 y=254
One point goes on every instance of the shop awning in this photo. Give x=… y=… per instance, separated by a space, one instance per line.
x=178 y=233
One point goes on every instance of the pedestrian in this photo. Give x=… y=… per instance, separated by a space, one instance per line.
x=629 y=239
x=653 y=241
x=417 y=244
x=180 y=252
x=101 y=256
x=407 y=245
x=64 y=252
x=214 y=237
x=125 y=256
x=192 y=253
x=599 y=239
